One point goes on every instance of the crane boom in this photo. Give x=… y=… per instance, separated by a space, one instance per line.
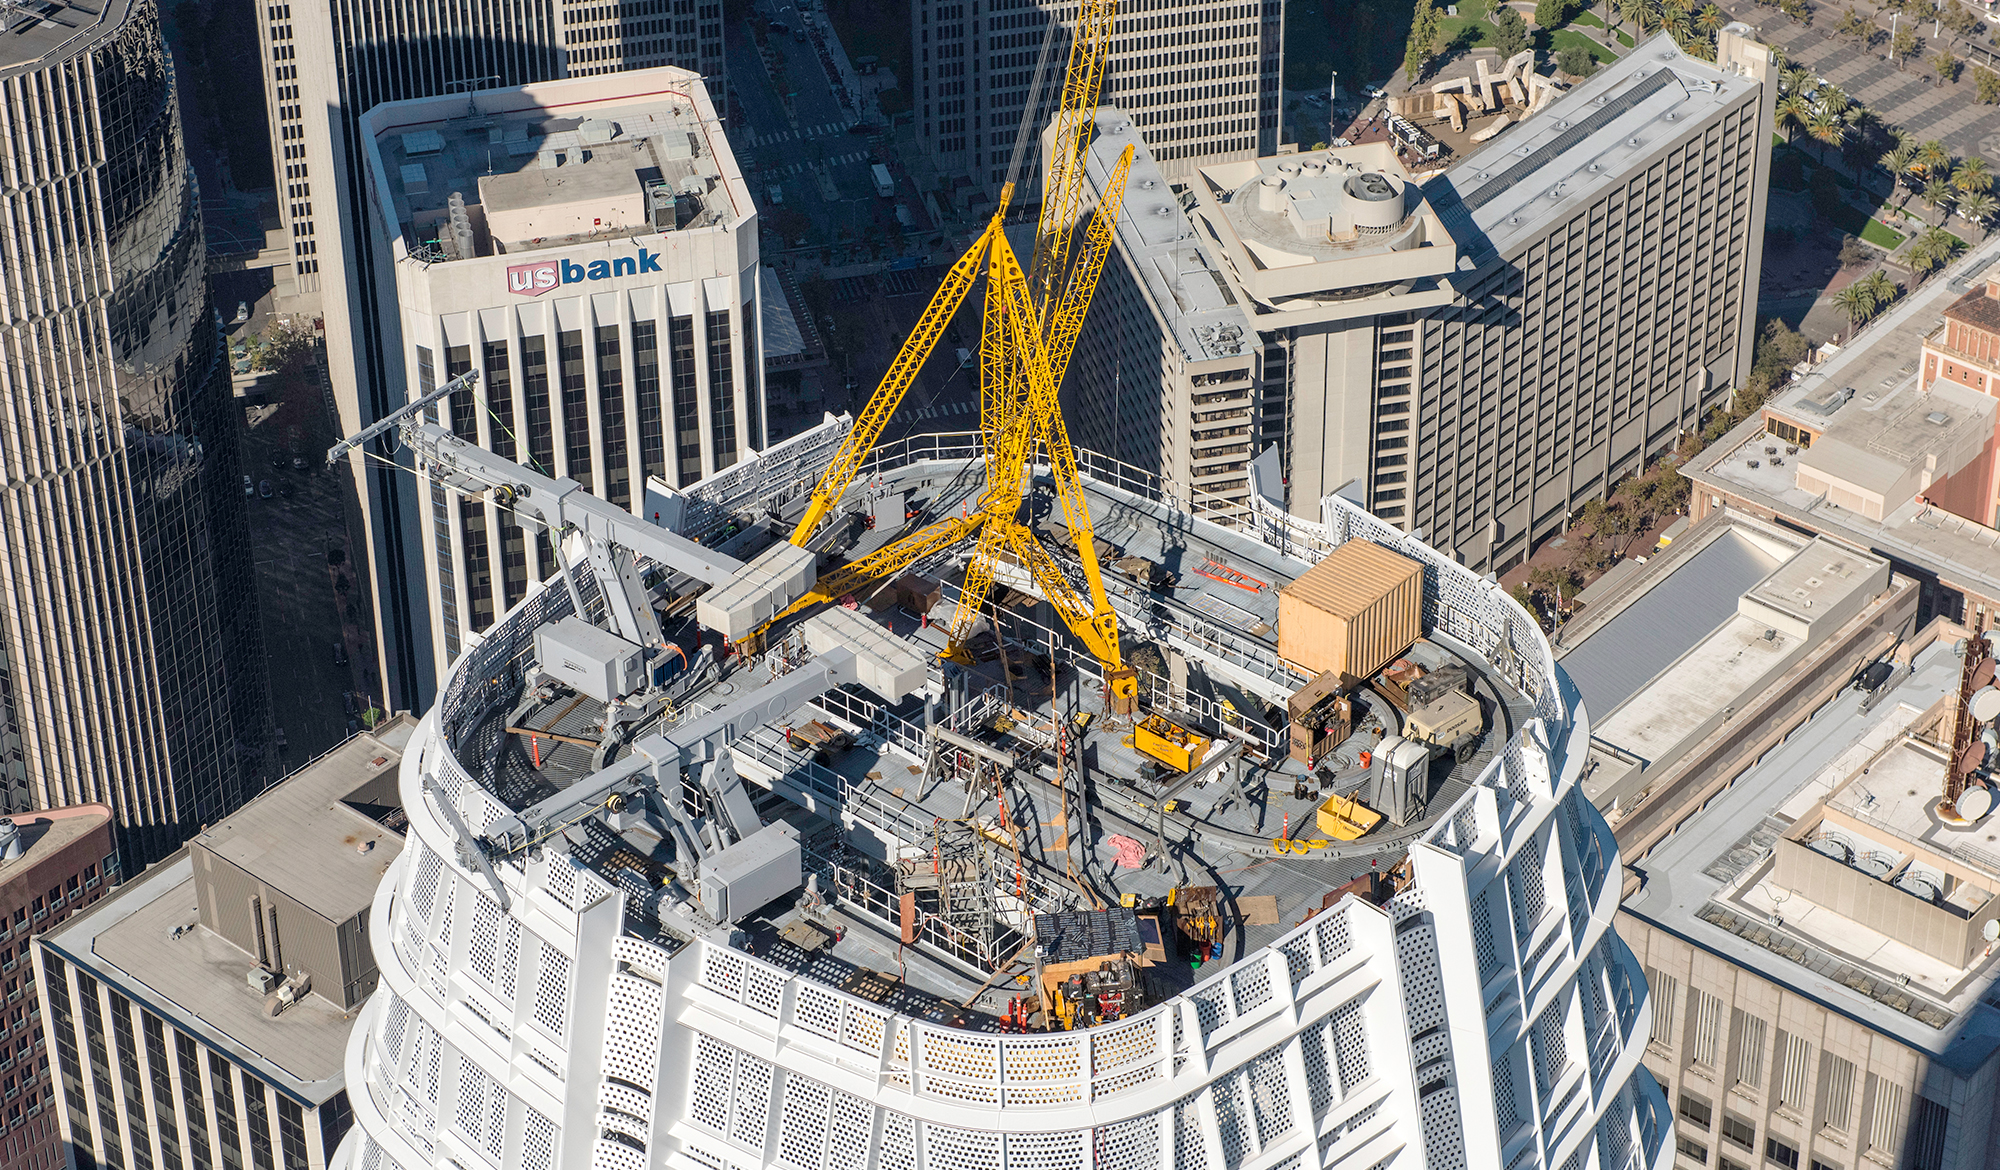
x=1062 y=180
x=916 y=349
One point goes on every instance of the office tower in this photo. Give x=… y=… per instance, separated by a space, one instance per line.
x=1170 y=378
x=1202 y=82
x=325 y=66
x=1822 y=970
x=52 y=864
x=1477 y=354
x=131 y=661
x=198 y=1019
x=557 y=993
x=589 y=248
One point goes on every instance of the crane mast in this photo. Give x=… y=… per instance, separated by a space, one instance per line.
x=1032 y=317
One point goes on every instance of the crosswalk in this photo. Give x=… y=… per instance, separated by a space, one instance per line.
x=797 y=167
x=945 y=411
x=819 y=131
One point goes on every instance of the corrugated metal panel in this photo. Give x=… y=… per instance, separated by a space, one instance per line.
x=1353 y=577
x=1353 y=612
x=1664 y=622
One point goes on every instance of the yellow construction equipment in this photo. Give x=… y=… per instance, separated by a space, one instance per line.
x=1170 y=743
x=1031 y=322
x=1344 y=819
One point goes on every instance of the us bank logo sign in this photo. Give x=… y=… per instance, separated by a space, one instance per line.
x=532 y=280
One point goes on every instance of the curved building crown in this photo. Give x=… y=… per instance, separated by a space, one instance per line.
x=565 y=1011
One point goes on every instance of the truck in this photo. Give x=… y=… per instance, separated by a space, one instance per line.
x=884 y=185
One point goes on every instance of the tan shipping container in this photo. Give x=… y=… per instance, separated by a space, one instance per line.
x=1354 y=612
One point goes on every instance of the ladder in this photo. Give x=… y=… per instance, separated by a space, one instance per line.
x=1215 y=570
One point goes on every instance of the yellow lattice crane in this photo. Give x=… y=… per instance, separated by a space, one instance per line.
x=1031 y=323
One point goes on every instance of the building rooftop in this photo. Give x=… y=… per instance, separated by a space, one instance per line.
x=320 y=836
x=1176 y=265
x=1873 y=769
x=1566 y=155
x=519 y=170
x=147 y=938
x=1312 y=231
x=50 y=831
x=34 y=33
x=1619 y=644
x=1859 y=398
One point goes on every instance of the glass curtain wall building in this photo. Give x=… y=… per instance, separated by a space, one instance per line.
x=131 y=661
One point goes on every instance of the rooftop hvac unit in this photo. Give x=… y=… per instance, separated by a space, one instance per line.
x=1922 y=883
x=1836 y=846
x=1876 y=864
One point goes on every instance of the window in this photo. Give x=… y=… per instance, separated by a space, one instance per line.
x=1666 y=998
x=1836 y=1092
x=1726 y=1163
x=575 y=407
x=1696 y=1110
x=1819 y=1165
x=1739 y=1131
x=1782 y=1152
x=1691 y=1148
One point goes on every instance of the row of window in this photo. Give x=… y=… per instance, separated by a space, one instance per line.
x=241 y=1118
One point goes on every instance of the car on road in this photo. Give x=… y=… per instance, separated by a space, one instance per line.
x=249 y=489
x=299 y=463
x=285 y=488
x=799 y=34
x=242 y=312
x=264 y=489
x=340 y=654
x=780 y=27
x=1373 y=91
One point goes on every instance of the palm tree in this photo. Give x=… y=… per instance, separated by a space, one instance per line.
x=1709 y=19
x=1937 y=193
x=1793 y=114
x=1881 y=290
x=1797 y=80
x=1898 y=161
x=1932 y=157
x=1827 y=130
x=1972 y=176
x=1941 y=244
x=1977 y=208
x=1857 y=300
x=1640 y=13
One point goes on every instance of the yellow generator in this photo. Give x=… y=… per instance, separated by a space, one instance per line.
x=1169 y=743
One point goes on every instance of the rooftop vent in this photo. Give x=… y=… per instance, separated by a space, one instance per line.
x=422 y=142
x=1937 y=418
x=597 y=131
x=10 y=839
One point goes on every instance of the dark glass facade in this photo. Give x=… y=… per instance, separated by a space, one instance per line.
x=131 y=661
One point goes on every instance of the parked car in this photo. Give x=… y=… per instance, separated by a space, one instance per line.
x=264 y=489
x=249 y=489
x=340 y=654
x=242 y=312
x=299 y=463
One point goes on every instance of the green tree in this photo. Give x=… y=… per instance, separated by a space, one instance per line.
x=1510 y=31
x=1855 y=25
x=1988 y=83
x=1884 y=290
x=1972 y=176
x=1794 y=111
x=1576 y=61
x=1903 y=45
x=1933 y=249
x=1931 y=158
x=1827 y=130
x=1937 y=193
x=1854 y=253
x=1857 y=301
x=1551 y=13
x=1947 y=66
x=1422 y=45
x=1977 y=208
